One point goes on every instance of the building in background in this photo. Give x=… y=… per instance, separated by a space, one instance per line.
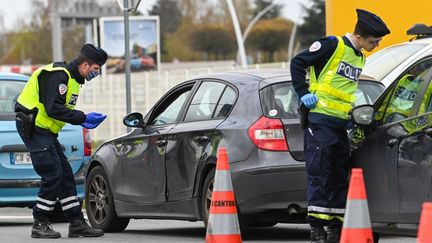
x=66 y=14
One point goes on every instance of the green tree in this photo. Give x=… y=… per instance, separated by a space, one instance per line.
x=271 y=35
x=170 y=19
x=273 y=13
x=169 y=15
x=213 y=40
x=31 y=43
x=313 y=26
x=73 y=39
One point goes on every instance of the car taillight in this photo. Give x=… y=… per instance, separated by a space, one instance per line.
x=268 y=133
x=87 y=142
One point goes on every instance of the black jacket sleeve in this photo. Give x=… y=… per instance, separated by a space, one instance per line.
x=54 y=100
x=317 y=55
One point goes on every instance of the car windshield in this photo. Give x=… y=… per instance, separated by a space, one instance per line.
x=9 y=91
x=381 y=63
x=281 y=101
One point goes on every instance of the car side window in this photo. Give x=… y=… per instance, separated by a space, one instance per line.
x=9 y=92
x=204 y=102
x=170 y=113
x=226 y=103
x=426 y=104
x=280 y=101
x=402 y=102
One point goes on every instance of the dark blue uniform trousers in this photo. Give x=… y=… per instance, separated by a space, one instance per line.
x=327 y=156
x=57 y=180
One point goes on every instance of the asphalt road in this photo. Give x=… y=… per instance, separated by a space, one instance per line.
x=15 y=226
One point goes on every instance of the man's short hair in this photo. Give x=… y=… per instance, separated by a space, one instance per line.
x=358 y=30
x=81 y=59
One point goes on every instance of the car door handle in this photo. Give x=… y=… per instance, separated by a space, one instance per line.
x=392 y=142
x=161 y=143
x=201 y=140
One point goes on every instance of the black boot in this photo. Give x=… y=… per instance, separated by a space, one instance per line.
x=318 y=235
x=79 y=227
x=43 y=229
x=333 y=234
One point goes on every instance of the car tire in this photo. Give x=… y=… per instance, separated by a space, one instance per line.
x=206 y=194
x=376 y=237
x=100 y=206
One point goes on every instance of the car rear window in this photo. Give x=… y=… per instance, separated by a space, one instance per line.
x=9 y=92
x=381 y=63
x=281 y=101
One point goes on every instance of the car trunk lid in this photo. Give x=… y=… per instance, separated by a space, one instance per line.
x=15 y=161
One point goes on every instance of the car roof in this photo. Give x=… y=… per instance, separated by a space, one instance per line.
x=250 y=76
x=265 y=76
x=13 y=76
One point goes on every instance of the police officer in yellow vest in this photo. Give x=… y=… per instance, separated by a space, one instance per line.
x=45 y=105
x=335 y=65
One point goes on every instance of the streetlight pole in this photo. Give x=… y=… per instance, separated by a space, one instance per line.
x=237 y=31
x=292 y=36
x=252 y=23
x=126 y=10
x=127 y=6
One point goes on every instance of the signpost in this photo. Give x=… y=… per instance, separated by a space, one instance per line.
x=127 y=6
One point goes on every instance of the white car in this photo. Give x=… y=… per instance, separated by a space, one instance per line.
x=387 y=64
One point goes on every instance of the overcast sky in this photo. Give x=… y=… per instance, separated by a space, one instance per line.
x=11 y=10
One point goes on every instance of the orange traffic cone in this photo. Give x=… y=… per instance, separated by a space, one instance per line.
x=357 y=225
x=425 y=227
x=223 y=225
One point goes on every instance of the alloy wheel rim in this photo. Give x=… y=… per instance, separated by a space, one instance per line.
x=98 y=199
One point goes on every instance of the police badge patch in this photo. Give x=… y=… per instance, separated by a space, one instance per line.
x=315 y=46
x=62 y=89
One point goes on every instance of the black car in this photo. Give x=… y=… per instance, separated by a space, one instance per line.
x=396 y=154
x=165 y=167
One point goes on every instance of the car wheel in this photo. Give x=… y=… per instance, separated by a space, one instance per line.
x=376 y=237
x=206 y=195
x=100 y=203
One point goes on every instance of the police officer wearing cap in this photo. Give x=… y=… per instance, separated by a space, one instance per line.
x=44 y=106
x=335 y=65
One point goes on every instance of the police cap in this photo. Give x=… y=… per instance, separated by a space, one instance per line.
x=95 y=54
x=370 y=24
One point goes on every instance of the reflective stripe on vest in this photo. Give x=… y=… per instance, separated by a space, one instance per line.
x=337 y=82
x=29 y=98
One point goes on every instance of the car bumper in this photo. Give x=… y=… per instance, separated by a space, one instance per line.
x=24 y=192
x=270 y=181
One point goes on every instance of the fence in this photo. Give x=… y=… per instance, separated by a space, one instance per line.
x=107 y=94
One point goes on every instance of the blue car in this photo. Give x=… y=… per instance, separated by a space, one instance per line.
x=19 y=183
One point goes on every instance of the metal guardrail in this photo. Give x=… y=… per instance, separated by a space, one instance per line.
x=107 y=94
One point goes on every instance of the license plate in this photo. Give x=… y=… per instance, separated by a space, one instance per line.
x=22 y=159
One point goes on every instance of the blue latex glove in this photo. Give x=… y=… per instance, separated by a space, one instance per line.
x=89 y=125
x=94 y=118
x=309 y=100
x=91 y=75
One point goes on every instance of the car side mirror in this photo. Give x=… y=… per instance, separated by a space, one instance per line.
x=362 y=114
x=134 y=119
